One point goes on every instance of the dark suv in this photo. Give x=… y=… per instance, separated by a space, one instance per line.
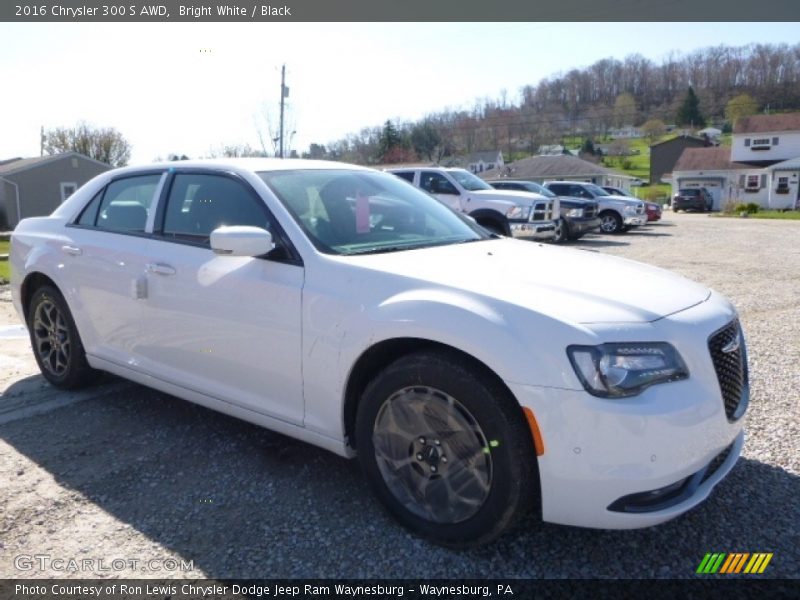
x=577 y=216
x=692 y=198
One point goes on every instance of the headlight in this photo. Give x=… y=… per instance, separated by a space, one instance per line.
x=620 y=370
x=631 y=210
x=518 y=212
x=575 y=212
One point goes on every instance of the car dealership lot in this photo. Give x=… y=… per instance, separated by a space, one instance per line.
x=121 y=472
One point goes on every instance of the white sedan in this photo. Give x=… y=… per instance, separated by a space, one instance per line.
x=476 y=377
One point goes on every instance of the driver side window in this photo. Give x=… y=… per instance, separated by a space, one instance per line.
x=199 y=203
x=436 y=183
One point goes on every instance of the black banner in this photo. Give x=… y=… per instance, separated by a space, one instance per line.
x=398 y=10
x=350 y=589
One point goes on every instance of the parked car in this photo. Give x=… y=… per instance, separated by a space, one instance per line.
x=617 y=213
x=653 y=211
x=692 y=199
x=578 y=216
x=474 y=376
x=511 y=213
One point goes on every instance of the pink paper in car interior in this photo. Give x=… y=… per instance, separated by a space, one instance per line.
x=362 y=213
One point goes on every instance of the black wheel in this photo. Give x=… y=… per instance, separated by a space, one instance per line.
x=561 y=232
x=55 y=341
x=493 y=226
x=446 y=449
x=610 y=222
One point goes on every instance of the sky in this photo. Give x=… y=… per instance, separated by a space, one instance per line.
x=190 y=88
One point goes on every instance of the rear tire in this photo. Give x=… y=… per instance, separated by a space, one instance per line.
x=446 y=449
x=56 y=344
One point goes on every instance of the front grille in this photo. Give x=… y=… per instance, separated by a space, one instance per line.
x=729 y=356
x=640 y=209
x=590 y=211
x=541 y=212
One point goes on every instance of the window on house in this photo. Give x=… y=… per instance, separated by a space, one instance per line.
x=783 y=185
x=752 y=182
x=67 y=189
x=761 y=144
x=775 y=141
x=746 y=142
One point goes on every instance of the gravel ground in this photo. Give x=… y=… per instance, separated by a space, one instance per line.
x=122 y=472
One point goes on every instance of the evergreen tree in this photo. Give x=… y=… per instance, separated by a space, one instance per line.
x=689 y=111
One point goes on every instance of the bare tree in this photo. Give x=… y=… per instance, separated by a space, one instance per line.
x=105 y=144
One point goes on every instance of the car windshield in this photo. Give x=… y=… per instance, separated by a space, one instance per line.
x=468 y=181
x=362 y=212
x=539 y=189
x=596 y=190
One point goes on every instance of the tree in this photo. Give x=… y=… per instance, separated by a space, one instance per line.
x=425 y=139
x=689 y=111
x=653 y=129
x=105 y=144
x=588 y=147
x=740 y=106
x=389 y=139
x=625 y=112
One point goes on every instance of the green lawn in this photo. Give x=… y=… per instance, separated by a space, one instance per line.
x=791 y=215
x=4 y=269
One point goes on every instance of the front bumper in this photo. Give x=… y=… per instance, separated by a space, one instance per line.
x=580 y=226
x=635 y=221
x=640 y=461
x=532 y=231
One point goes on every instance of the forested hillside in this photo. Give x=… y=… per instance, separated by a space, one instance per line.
x=588 y=103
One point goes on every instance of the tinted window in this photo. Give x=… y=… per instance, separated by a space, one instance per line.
x=436 y=183
x=200 y=203
x=89 y=214
x=126 y=203
x=409 y=176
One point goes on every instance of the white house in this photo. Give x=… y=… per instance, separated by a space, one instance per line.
x=478 y=162
x=766 y=139
x=761 y=166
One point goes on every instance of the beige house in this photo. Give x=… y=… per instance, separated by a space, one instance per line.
x=32 y=187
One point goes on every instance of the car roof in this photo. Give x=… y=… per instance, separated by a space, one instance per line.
x=244 y=164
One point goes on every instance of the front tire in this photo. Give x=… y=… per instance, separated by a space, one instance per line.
x=446 y=449
x=610 y=222
x=56 y=344
x=561 y=233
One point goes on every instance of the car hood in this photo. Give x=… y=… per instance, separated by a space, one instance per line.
x=577 y=286
x=625 y=199
x=513 y=196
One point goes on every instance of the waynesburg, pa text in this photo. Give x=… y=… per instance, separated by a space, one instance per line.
x=260 y=591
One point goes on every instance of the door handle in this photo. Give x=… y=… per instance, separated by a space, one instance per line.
x=71 y=250
x=160 y=269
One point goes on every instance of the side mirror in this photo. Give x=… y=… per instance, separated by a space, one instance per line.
x=241 y=240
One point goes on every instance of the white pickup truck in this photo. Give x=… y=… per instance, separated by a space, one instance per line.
x=511 y=213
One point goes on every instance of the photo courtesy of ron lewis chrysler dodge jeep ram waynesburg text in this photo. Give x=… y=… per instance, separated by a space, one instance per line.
x=476 y=377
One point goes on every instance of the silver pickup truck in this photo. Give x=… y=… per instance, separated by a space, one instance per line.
x=617 y=213
x=514 y=214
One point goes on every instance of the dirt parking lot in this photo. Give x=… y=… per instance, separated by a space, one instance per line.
x=136 y=483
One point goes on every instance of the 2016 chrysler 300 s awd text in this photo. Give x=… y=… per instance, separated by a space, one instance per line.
x=476 y=377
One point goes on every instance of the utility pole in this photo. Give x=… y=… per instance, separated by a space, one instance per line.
x=284 y=95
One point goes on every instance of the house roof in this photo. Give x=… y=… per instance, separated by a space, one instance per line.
x=560 y=165
x=712 y=158
x=485 y=156
x=793 y=164
x=685 y=137
x=768 y=123
x=14 y=165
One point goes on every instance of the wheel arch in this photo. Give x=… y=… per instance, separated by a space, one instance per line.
x=489 y=215
x=381 y=354
x=32 y=282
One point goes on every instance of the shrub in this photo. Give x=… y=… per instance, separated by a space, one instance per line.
x=750 y=208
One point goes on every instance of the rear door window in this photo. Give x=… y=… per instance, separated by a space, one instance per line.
x=125 y=206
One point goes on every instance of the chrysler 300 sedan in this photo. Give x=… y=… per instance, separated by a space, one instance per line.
x=475 y=377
